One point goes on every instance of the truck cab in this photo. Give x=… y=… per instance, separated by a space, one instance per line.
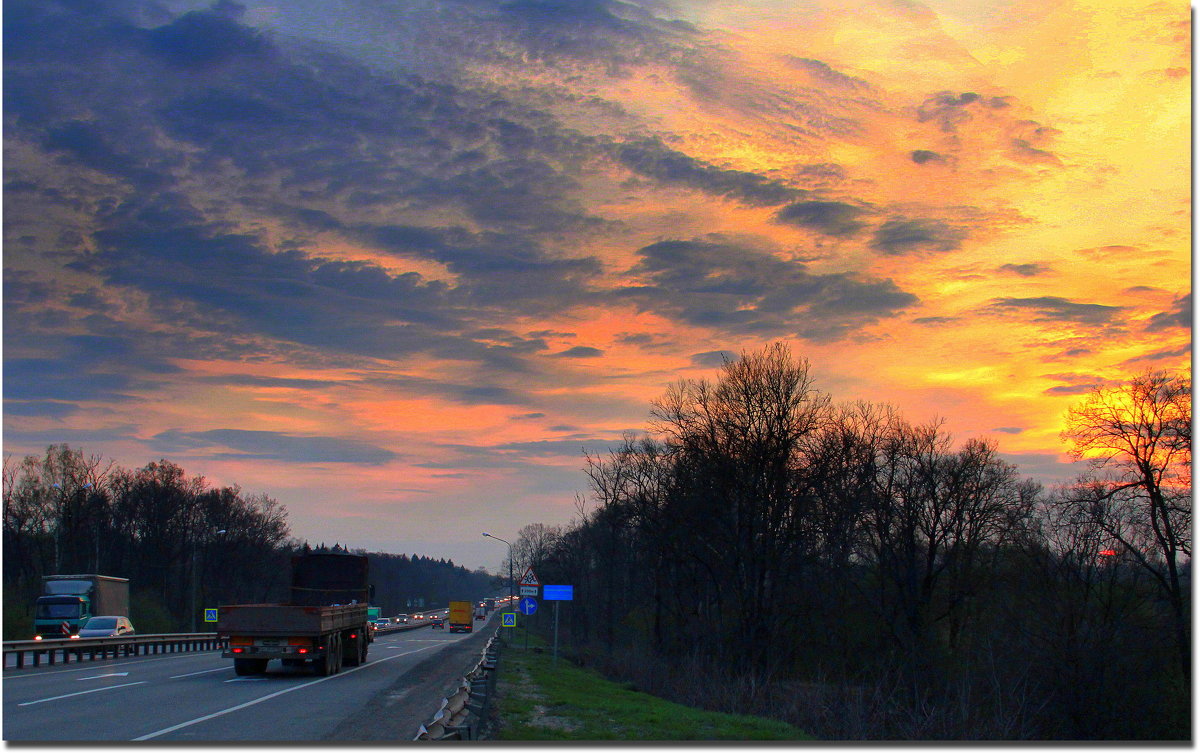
x=52 y=612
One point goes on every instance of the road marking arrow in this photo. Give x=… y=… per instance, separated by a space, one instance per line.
x=106 y=675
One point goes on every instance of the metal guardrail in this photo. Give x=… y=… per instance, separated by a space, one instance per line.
x=402 y=627
x=463 y=713
x=116 y=646
x=56 y=650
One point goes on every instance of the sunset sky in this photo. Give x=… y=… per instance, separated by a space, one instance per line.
x=397 y=264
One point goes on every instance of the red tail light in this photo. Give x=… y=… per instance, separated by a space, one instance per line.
x=302 y=650
x=237 y=650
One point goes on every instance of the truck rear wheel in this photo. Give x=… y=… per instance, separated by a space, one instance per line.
x=249 y=666
x=332 y=662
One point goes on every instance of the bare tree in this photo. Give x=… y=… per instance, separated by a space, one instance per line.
x=1136 y=437
x=737 y=448
x=929 y=518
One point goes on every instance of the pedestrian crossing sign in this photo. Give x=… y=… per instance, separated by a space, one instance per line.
x=210 y=615
x=508 y=620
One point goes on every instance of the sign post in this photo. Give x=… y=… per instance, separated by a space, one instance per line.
x=529 y=588
x=557 y=593
x=527 y=606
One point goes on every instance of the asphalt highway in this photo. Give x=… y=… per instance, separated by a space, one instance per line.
x=198 y=697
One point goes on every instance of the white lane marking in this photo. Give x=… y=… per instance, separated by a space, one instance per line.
x=244 y=680
x=33 y=672
x=199 y=672
x=106 y=675
x=77 y=693
x=272 y=695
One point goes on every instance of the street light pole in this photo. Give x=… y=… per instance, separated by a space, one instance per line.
x=511 y=585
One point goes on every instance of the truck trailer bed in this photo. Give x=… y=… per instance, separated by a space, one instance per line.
x=288 y=620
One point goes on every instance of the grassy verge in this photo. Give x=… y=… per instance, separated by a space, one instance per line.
x=540 y=700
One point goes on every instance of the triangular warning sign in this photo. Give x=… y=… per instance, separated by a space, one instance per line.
x=530 y=578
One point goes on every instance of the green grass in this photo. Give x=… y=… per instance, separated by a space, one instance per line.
x=540 y=700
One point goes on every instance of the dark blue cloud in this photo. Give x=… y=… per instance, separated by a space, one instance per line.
x=580 y=352
x=653 y=159
x=1178 y=316
x=935 y=321
x=519 y=455
x=87 y=144
x=823 y=73
x=351 y=306
x=274 y=446
x=48 y=409
x=898 y=236
x=247 y=380
x=947 y=109
x=1162 y=355
x=1056 y=309
x=742 y=290
x=1073 y=384
x=712 y=358
x=922 y=156
x=1069 y=389
x=204 y=39
x=63 y=379
x=1027 y=270
x=837 y=219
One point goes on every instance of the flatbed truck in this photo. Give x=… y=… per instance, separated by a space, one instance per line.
x=325 y=624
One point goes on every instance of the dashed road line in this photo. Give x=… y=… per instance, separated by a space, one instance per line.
x=78 y=693
x=199 y=672
x=106 y=675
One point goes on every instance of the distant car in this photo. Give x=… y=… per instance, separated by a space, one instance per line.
x=401 y=618
x=438 y=623
x=382 y=623
x=104 y=626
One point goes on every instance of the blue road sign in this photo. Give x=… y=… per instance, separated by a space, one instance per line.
x=210 y=615
x=527 y=606
x=558 y=592
x=508 y=620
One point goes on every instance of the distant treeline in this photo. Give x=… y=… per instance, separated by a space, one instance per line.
x=406 y=584
x=182 y=543
x=765 y=550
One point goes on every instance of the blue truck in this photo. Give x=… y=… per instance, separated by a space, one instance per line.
x=68 y=600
